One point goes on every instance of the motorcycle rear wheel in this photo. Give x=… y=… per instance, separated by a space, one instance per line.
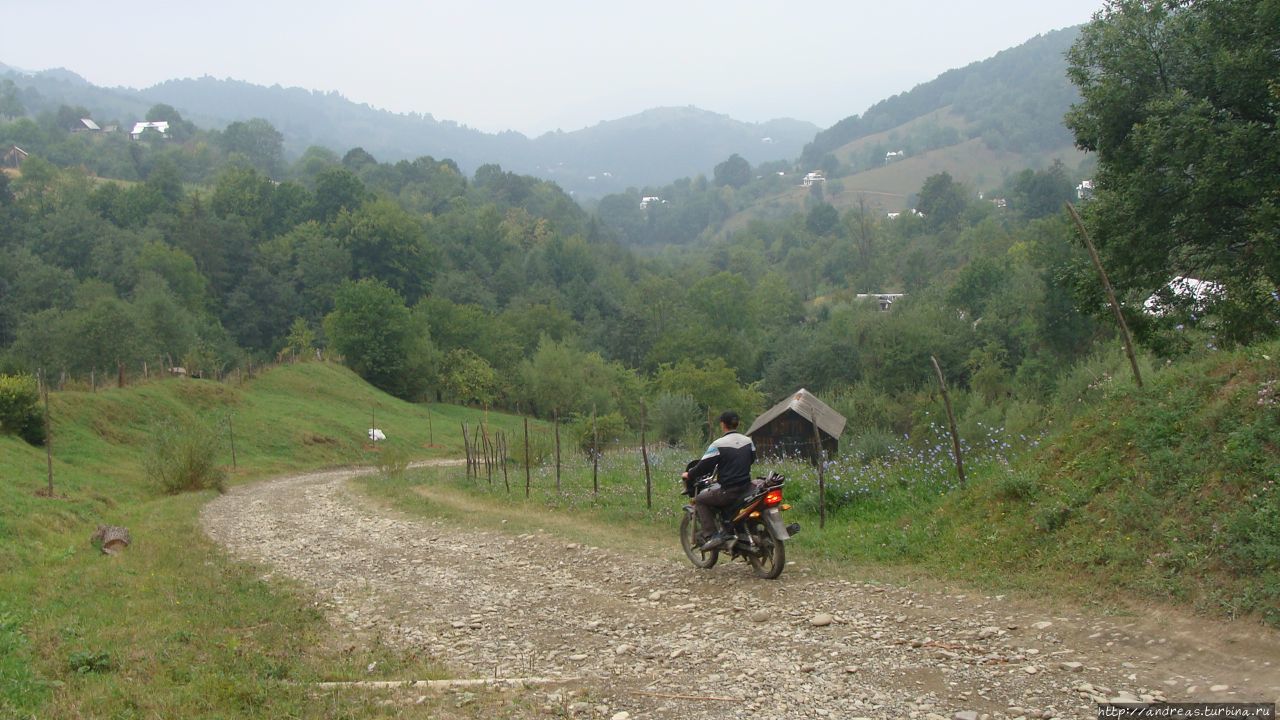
x=689 y=533
x=768 y=564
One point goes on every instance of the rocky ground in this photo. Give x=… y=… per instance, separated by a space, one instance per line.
x=634 y=634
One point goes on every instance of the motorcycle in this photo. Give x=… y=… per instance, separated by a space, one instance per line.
x=756 y=523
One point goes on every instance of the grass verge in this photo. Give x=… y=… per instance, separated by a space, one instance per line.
x=173 y=627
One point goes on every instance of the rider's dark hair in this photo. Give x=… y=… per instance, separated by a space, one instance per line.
x=730 y=419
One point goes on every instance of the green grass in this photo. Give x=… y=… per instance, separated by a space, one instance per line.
x=173 y=627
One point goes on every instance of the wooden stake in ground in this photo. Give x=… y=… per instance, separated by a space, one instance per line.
x=431 y=435
x=595 y=455
x=644 y=455
x=528 y=482
x=822 y=479
x=119 y=374
x=1111 y=293
x=484 y=439
x=48 y=431
x=466 y=447
x=951 y=419
x=556 y=419
x=231 y=435
x=502 y=461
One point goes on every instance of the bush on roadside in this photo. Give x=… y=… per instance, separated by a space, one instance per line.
x=603 y=432
x=183 y=456
x=20 y=412
x=674 y=417
x=392 y=460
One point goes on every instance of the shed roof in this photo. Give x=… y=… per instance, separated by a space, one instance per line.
x=808 y=407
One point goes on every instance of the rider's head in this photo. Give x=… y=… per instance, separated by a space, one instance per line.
x=729 y=420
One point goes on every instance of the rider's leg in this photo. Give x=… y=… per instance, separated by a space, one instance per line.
x=708 y=504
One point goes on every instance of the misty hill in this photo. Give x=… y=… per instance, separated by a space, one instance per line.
x=1014 y=101
x=983 y=124
x=651 y=147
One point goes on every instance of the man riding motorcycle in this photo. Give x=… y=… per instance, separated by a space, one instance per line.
x=731 y=455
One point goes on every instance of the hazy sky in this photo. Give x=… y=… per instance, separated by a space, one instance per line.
x=538 y=66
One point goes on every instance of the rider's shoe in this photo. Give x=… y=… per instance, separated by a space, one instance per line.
x=716 y=541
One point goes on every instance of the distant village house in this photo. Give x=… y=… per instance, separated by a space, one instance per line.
x=649 y=200
x=159 y=126
x=884 y=300
x=85 y=125
x=1084 y=191
x=811 y=179
x=1188 y=292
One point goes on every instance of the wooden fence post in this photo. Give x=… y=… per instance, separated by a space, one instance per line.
x=951 y=420
x=595 y=454
x=822 y=483
x=502 y=459
x=644 y=454
x=466 y=447
x=120 y=374
x=556 y=419
x=484 y=439
x=1111 y=294
x=231 y=433
x=528 y=482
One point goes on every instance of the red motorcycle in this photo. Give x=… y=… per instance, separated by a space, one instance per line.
x=756 y=523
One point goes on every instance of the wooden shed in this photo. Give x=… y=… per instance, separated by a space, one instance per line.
x=786 y=429
x=13 y=157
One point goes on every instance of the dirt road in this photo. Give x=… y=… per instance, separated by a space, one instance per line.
x=629 y=629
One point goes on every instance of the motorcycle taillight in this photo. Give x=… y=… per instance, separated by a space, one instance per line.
x=773 y=497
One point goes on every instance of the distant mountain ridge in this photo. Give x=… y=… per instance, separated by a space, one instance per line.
x=652 y=147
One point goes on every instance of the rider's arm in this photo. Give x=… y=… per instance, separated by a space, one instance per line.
x=709 y=462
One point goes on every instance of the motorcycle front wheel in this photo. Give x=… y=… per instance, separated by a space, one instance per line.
x=689 y=533
x=772 y=557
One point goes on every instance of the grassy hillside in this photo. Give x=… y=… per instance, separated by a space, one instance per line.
x=888 y=188
x=1166 y=493
x=172 y=627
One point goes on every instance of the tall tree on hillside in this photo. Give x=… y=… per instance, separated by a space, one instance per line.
x=379 y=337
x=260 y=144
x=10 y=102
x=1181 y=102
x=734 y=172
x=179 y=129
x=942 y=200
x=388 y=243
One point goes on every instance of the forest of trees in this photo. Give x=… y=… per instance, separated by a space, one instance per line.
x=210 y=250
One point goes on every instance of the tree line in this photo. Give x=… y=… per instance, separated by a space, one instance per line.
x=212 y=249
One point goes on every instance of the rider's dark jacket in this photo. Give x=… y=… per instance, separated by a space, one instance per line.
x=732 y=454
